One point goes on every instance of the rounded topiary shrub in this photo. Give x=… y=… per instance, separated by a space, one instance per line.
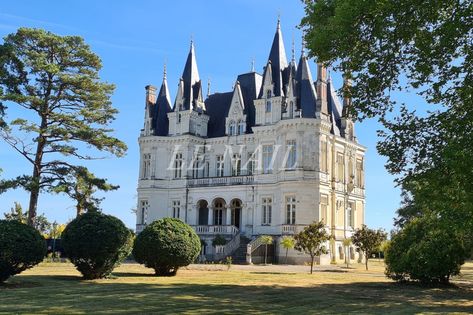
x=165 y=245
x=426 y=251
x=96 y=243
x=21 y=247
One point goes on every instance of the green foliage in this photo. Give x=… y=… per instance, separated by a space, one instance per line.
x=288 y=242
x=96 y=243
x=367 y=241
x=16 y=214
x=228 y=262
x=425 y=250
x=56 y=80
x=165 y=245
x=266 y=240
x=312 y=240
x=219 y=240
x=21 y=247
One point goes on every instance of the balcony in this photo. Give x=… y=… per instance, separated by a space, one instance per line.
x=291 y=229
x=220 y=181
x=215 y=229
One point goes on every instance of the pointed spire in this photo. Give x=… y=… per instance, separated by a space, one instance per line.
x=191 y=84
x=253 y=65
x=208 y=87
x=164 y=72
x=293 y=59
x=277 y=57
x=346 y=96
x=322 y=100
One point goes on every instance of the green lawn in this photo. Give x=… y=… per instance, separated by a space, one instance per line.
x=58 y=288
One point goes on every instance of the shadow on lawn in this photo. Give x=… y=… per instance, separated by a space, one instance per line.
x=63 y=295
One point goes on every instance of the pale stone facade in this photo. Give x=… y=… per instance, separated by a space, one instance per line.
x=272 y=156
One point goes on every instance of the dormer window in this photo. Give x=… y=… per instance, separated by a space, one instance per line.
x=268 y=94
x=268 y=106
x=232 y=129
x=179 y=118
x=241 y=128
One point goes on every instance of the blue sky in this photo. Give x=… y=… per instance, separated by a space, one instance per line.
x=134 y=40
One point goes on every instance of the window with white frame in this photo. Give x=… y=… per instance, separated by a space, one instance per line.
x=324 y=208
x=291 y=210
x=291 y=155
x=146 y=165
x=143 y=211
x=176 y=209
x=220 y=165
x=359 y=173
x=251 y=165
x=350 y=215
x=241 y=128
x=340 y=167
x=195 y=169
x=323 y=156
x=236 y=164
x=178 y=166
x=267 y=158
x=231 y=130
x=266 y=209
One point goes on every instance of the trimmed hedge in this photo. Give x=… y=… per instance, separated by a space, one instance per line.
x=165 y=245
x=96 y=243
x=21 y=247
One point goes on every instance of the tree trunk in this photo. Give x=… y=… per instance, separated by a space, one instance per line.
x=287 y=250
x=265 y=253
x=312 y=264
x=366 y=261
x=36 y=178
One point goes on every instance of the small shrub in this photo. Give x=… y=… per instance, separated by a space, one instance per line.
x=228 y=262
x=21 y=247
x=219 y=240
x=425 y=251
x=165 y=245
x=96 y=243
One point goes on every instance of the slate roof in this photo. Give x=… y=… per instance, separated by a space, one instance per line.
x=305 y=91
x=217 y=106
x=161 y=110
x=190 y=76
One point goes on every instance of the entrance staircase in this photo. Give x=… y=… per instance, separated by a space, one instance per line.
x=239 y=255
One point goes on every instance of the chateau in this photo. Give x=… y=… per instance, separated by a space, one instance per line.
x=273 y=155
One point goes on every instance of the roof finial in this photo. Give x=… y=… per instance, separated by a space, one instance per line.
x=293 y=50
x=279 y=19
x=303 y=45
x=208 y=87
x=253 y=65
x=164 y=71
x=192 y=41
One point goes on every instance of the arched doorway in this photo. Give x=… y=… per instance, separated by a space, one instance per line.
x=235 y=206
x=203 y=212
x=219 y=206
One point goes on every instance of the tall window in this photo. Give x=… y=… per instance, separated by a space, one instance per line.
x=195 y=169
x=178 y=166
x=220 y=165
x=146 y=165
x=323 y=208
x=176 y=209
x=266 y=210
x=268 y=106
x=323 y=156
x=291 y=210
x=267 y=156
x=179 y=118
x=291 y=109
x=291 y=157
x=340 y=167
x=359 y=173
x=350 y=215
x=241 y=128
x=143 y=211
x=231 y=131
x=218 y=213
x=251 y=164
x=236 y=164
